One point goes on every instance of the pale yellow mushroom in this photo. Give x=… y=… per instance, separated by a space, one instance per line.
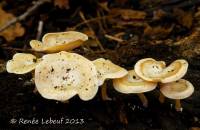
x=107 y=70
x=61 y=41
x=22 y=63
x=60 y=76
x=156 y=71
x=175 y=71
x=132 y=83
x=149 y=69
x=176 y=90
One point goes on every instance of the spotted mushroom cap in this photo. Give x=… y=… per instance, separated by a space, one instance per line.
x=108 y=70
x=149 y=69
x=60 y=76
x=61 y=41
x=22 y=63
x=180 y=89
x=132 y=83
x=156 y=71
x=175 y=71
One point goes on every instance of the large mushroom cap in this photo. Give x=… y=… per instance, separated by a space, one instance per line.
x=62 y=75
x=177 y=90
x=131 y=83
x=61 y=41
x=108 y=70
x=149 y=69
x=21 y=63
x=155 y=71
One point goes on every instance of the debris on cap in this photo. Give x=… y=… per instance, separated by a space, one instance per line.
x=132 y=83
x=22 y=63
x=180 y=89
x=175 y=71
x=61 y=41
x=156 y=71
x=108 y=70
x=60 y=76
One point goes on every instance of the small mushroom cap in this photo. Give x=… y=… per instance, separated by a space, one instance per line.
x=108 y=70
x=180 y=89
x=61 y=41
x=131 y=83
x=36 y=45
x=60 y=76
x=149 y=69
x=21 y=63
x=175 y=71
x=155 y=71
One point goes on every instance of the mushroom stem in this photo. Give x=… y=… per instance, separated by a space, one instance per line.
x=161 y=98
x=143 y=99
x=104 y=94
x=178 y=105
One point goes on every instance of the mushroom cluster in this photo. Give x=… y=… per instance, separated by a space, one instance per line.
x=61 y=75
x=148 y=73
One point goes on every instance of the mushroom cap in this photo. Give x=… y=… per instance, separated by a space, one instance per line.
x=61 y=41
x=37 y=45
x=180 y=89
x=108 y=70
x=22 y=63
x=156 y=71
x=60 y=76
x=149 y=69
x=132 y=83
x=175 y=71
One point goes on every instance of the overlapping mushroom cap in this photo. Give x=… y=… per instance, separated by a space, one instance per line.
x=155 y=71
x=108 y=70
x=62 y=75
x=22 y=63
x=131 y=83
x=179 y=89
x=61 y=41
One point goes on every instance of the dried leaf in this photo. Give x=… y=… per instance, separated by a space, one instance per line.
x=89 y=32
x=2 y=66
x=121 y=2
x=189 y=46
x=62 y=4
x=128 y=14
x=13 y=31
x=158 y=31
x=104 y=5
x=158 y=14
x=184 y=18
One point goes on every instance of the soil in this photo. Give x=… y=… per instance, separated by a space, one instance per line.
x=20 y=102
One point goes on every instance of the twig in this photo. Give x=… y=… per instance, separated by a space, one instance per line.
x=92 y=20
x=24 y=15
x=103 y=20
x=113 y=38
x=97 y=40
x=100 y=23
x=17 y=49
x=39 y=29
